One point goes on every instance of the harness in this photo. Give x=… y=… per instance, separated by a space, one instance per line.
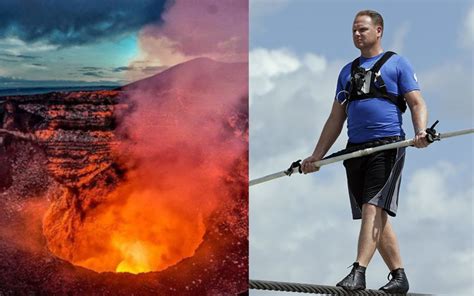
x=367 y=84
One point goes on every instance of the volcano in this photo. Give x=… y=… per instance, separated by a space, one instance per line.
x=141 y=189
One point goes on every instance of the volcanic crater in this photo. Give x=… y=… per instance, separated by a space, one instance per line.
x=138 y=190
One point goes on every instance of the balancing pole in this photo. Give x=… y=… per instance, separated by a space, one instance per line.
x=296 y=166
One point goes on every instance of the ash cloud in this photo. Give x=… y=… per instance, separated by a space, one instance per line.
x=76 y=22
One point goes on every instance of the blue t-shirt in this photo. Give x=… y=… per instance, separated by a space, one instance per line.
x=374 y=118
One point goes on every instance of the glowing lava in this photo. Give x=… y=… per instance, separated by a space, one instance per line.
x=143 y=204
x=147 y=232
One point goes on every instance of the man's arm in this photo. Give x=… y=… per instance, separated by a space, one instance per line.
x=331 y=130
x=419 y=117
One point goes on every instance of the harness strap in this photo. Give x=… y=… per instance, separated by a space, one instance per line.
x=377 y=84
x=382 y=61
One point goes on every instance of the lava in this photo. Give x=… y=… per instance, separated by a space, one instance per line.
x=144 y=233
x=149 y=179
x=153 y=214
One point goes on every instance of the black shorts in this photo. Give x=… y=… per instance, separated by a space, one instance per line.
x=375 y=179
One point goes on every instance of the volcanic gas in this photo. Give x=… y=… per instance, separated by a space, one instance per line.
x=150 y=177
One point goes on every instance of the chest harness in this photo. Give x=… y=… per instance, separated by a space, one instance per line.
x=367 y=84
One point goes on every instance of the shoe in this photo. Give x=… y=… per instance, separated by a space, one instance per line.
x=355 y=280
x=398 y=284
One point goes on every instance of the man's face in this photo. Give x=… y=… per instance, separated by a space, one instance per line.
x=364 y=33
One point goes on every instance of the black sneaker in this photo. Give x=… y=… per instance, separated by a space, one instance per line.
x=398 y=284
x=355 y=280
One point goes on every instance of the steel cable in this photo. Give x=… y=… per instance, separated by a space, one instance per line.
x=310 y=288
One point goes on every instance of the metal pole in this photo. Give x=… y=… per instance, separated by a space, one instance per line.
x=355 y=154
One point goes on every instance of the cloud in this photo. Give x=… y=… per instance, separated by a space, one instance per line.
x=94 y=74
x=272 y=62
x=398 y=42
x=74 y=22
x=122 y=69
x=290 y=99
x=15 y=47
x=14 y=57
x=266 y=65
x=89 y=68
x=140 y=69
x=18 y=82
x=467 y=36
x=35 y=66
x=208 y=28
x=448 y=85
x=101 y=72
x=317 y=64
x=434 y=209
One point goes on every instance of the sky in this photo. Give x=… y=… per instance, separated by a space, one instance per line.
x=63 y=43
x=301 y=229
x=58 y=43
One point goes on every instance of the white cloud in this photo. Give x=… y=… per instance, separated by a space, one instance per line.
x=467 y=35
x=34 y=66
x=437 y=220
x=266 y=66
x=398 y=42
x=15 y=46
x=316 y=63
x=272 y=63
x=291 y=97
x=449 y=86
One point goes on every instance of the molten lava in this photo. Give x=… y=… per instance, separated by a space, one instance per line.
x=141 y=201
x=133 y=180
x=145 y=233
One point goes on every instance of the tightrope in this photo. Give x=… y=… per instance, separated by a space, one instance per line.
x=311 y=288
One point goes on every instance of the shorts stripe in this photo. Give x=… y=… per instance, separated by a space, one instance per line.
x=375 y=179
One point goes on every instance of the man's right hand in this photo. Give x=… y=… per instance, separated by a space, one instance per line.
x=307 y=165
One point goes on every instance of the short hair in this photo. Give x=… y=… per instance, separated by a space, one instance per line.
x=376 y=17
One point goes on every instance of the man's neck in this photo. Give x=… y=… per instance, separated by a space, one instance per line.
x=371 y=52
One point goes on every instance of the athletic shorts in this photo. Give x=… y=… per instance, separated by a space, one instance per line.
x=375 y=178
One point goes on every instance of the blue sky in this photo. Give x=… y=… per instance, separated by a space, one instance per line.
x=49 y=43
x=300 y=227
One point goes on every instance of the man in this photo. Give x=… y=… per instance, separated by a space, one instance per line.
x=373 y=101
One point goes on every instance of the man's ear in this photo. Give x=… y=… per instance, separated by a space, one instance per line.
x=379 y=30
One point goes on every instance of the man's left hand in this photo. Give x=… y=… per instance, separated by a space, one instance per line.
x=420 y=140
